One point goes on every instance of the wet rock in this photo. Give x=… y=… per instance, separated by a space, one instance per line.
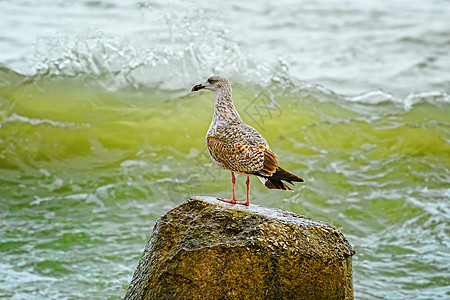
x=208 y=249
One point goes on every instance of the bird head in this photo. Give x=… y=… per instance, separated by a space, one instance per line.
x=214 y=83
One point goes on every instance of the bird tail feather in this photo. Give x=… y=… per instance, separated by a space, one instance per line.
x=275 y=181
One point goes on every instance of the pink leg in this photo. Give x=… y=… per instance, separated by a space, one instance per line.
x=247 y=182
x=234 y=201
x=233 y=181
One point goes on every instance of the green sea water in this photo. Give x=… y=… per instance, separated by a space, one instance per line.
x=85 y=172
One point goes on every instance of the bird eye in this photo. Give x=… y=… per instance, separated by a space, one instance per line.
x=210 y=81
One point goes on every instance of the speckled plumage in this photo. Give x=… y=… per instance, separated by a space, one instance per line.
x=238 y=147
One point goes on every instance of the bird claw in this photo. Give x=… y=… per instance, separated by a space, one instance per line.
x=234 y=201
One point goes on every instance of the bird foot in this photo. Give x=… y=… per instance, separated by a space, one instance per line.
x=234 y=201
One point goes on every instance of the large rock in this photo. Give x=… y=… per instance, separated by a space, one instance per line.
x=208 y=249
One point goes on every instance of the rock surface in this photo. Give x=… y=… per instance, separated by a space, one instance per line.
x=208 y=249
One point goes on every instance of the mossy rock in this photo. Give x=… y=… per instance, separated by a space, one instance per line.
x=208 y=249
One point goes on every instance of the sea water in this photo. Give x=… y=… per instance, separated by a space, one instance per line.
x=100 y=134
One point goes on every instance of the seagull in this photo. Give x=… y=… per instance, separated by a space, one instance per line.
x=238 y=147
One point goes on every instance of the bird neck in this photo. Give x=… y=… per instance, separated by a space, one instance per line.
x=224 y=108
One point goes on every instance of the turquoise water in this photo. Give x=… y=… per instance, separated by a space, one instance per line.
x=99 y=134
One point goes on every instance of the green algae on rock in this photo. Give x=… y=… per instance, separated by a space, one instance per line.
x=208 y=249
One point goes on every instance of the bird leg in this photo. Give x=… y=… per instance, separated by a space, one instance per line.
x=234 y=201
x=247 y=182
x=233 y=181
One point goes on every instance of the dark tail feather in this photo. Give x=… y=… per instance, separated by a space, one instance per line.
x=275 y=181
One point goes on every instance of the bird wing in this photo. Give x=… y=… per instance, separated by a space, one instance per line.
x=242 y=157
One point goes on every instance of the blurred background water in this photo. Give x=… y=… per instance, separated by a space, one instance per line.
x=100 y=135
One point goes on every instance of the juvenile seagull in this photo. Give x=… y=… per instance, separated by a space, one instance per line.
x=238 y=147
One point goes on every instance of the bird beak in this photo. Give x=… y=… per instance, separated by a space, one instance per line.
x=197 y=87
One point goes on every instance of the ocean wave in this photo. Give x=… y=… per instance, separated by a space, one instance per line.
x=116 y=64
x=101 y=135
x=174 y=50
x=14 y=117
x=121 y=62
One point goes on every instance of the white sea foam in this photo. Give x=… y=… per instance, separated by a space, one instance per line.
x=36 y=122
x=9 y=274
x=173 y=47
x=133 y=163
